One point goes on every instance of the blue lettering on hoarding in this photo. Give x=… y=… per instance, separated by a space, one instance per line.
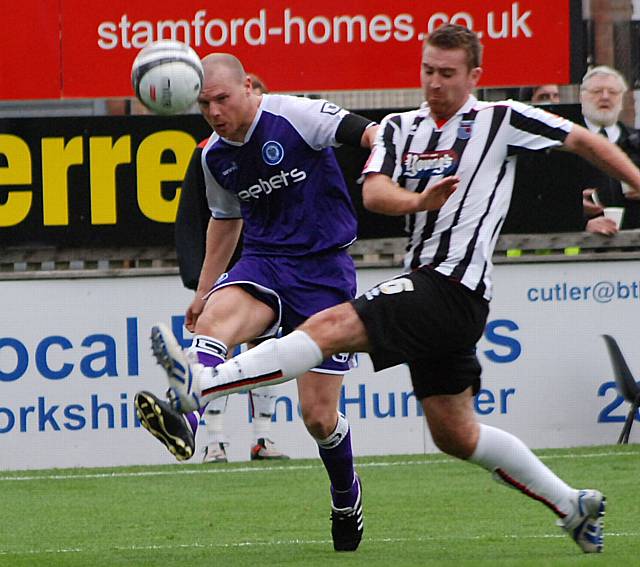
x=46 y=415
x=108 y=354
x=99 y=414
x=178 y=328
x=360 y=401
x=41 y=357
x=492 y=334
x=132 y=346
x=22 y=362
x=391 y=405
x=92 y=365
x=485 y=401
x=606 y=415
x=7 y=415
x=73 y=413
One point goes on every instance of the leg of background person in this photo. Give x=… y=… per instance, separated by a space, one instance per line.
x=262 y=406
x=215 y=449
x=319 y=395
x=456 y=431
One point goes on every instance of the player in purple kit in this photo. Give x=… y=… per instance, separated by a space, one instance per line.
x=271 y=173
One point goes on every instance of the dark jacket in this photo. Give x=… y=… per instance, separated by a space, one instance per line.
x=609 y=189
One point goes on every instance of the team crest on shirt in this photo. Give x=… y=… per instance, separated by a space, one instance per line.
x=465 y=129
x=272 y=152
x=424 y=165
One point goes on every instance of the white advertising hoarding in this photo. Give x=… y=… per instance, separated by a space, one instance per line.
x=73 y=353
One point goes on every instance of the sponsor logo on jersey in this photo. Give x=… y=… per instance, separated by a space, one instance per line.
x=330 y=108
x=278 y=181
x=233 y=167
x=424 y=165
x=272 y=152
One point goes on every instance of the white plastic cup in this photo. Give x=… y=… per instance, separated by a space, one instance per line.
x=615 y=214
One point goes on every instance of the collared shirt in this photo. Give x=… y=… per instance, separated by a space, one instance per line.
x=479 y=144
x=613 y=131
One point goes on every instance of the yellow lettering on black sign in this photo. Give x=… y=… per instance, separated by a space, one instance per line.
x=57 y=158
x=152 y=172
x=105 y=157
x=17 y=172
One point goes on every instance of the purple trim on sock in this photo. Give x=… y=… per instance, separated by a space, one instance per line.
x=194 y=419
x=339 y=464
x=208 y=359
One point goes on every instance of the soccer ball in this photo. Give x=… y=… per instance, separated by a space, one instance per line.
x=167 y=76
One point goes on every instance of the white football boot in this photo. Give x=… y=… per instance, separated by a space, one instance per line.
x=180 y=373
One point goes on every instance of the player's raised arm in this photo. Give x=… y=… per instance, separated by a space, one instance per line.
x=606 y=156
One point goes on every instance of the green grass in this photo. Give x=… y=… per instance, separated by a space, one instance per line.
x=419 y=510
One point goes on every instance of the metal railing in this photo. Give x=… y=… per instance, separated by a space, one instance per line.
x=43 y=263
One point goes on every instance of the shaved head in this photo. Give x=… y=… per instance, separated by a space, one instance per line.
x=214 y=63
x=226 y=99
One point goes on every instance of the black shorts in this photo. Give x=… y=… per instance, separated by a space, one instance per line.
x=429 y=322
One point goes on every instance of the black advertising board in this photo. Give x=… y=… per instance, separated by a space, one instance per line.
x=93 y=181
x=110 y=181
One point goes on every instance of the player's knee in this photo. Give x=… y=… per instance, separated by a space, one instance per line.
x=319 y=420
x=333 y=328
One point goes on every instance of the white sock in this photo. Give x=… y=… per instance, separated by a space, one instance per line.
x=513 y=463
x=263 y=401
x=215 y=427
x=261 y=427
x=338 y=434
x=272 y=362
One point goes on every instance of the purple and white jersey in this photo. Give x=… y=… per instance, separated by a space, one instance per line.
x=283 y=180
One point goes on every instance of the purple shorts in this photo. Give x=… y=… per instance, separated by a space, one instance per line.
x=296 y=288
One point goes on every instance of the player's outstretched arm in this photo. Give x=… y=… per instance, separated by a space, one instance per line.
x=604 y=155
x=382 y=195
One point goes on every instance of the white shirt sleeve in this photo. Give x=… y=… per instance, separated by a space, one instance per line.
x=384 y=156
x=536 y=129
x=316 y=120
x=223 y=204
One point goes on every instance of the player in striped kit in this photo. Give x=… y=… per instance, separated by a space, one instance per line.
x=449 y=167
x=270 y=172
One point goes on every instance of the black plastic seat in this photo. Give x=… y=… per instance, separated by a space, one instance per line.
x=629 y=388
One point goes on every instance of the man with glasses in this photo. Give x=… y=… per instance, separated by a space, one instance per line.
x=601 y=94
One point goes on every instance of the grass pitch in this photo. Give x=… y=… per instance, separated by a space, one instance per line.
x=419 y=510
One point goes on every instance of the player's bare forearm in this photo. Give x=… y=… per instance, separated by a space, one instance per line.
x=369 y=136
x=381 y=195
x=222 y=239
x=604 y=155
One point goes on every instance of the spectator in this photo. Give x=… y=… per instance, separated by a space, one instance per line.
x=601 y=96
x=542 y=94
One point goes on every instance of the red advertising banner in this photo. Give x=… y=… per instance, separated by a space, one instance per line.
x=30 y=54
x=294 y=45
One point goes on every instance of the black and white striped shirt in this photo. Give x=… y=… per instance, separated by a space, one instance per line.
x=479 y=144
